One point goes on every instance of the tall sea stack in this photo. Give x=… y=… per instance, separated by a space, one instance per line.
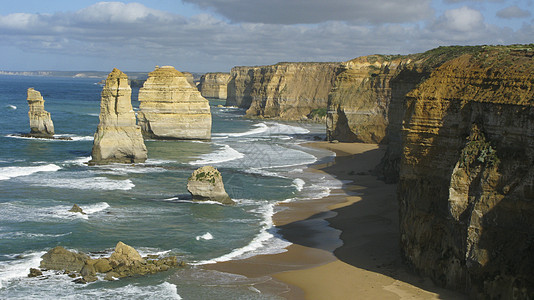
x=172 y=108
x=40 y=122
x=117 y=139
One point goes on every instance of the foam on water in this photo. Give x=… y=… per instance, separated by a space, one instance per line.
x=10 y=270
x=271 y=129
x=19 y=212
x=205 y=236
x=267 y=241
x=225 y=154
x=76 y=137
x=87 y=183
x=298 y=184
x=81 y=161
x=11 y=172
x=9 y=106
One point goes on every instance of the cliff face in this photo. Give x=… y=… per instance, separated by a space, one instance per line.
x=288 y=91
x=172 y=108
x=358 y=104
x=466 y=188
x=214 y=85
x=117 y=139
x=40 y=122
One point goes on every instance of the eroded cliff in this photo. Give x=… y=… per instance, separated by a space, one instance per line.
x=466 y=188
x=287 y=91
x=214 y=85
x=172 y=108
x=117 y=139
x=41 y=124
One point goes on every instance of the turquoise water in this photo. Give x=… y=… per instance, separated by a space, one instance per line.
x=144 y=205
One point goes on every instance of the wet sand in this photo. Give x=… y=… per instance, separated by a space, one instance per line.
x=345 y=246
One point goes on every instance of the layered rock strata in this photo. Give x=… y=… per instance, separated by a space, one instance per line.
x=117 y=139
x=171 y=108
x=206 y=184
x=41 y=124
x=466 y=188
x=125 y=261
x=286 y=91
x=214 y=85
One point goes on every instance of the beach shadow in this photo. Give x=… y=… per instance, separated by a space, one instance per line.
x=364 y=234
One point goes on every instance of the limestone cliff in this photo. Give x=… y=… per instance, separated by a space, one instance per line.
x=287 y=91
x=214 y=85
x=466 y=188
x=117 y=139
x=171 y=108
x=40 y=121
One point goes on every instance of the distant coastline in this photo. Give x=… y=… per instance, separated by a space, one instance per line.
x=71 y=74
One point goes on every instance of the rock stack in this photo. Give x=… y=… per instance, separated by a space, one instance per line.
x=206 y=184
x=40 y=122
x=118 y=139
x=172 y=108
x=214 y=85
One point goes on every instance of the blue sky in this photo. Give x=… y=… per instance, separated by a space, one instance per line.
x=215 y=35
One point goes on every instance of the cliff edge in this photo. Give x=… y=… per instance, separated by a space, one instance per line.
x=466 y=188
x=285 y=91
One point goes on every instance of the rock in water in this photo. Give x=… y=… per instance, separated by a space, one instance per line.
x=206 y=184
x=117 y=139
x=60 y=258
x=76 y=209
x=171 y=108
x=125 y=254
x=40 y=122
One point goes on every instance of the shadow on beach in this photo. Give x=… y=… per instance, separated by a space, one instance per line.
x=364 y=231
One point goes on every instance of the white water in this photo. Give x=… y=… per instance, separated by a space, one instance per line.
x=11 y=172
x=225 y=154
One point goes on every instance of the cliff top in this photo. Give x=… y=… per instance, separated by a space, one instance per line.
x=165 y=71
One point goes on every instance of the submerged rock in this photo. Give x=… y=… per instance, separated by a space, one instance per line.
x=35 y=272
x=118 y=139
x=76 y=209
x=40 y=121
x=171 y=108
x=206 y=184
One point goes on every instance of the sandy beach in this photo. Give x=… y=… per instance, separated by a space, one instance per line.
x=345 y=246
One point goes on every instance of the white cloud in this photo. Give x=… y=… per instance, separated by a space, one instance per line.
x=512 y=12
x=135 y=37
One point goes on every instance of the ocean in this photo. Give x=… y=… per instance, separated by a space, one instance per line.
x=144 y=205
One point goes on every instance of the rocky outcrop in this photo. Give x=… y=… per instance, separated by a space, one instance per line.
x=466 y=188
x=117 y=139
x=76 y=209
x=171 y=108
x=125 y=261
x=60 y=258
x=286 y=91
x=40 y=122
x=206 y=184
x=214 y=85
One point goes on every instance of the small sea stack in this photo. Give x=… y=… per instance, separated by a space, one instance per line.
x=117 y=139
x=40 y=121
x=206 y=184
x=172 y=108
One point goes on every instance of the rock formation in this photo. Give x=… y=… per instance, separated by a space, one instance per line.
x=466 y=188
x=117 y=139
x=206 y=184
x=214 y=85
x=40 y=122
x=76 y=209
x=286 y=91
x=125 y=261
x=171 y=108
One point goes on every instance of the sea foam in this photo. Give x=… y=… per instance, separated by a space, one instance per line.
x=11 y=172
x=19 y=268
x=88 y=183
x=224 y=154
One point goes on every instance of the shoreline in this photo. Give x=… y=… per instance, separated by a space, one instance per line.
x=343 y=245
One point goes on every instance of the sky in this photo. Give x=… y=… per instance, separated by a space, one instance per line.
x=216 y=35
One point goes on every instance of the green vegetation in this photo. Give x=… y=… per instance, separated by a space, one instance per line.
x=318 y=112
x=478 y=150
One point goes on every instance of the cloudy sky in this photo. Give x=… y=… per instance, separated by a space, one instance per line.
x=215 y=35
